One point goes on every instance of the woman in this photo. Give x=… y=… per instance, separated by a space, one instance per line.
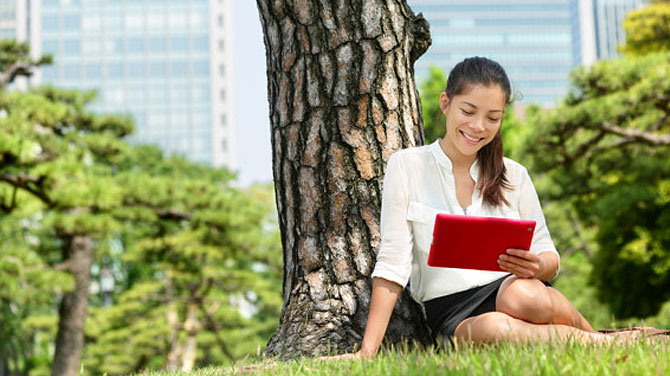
x=465 y=173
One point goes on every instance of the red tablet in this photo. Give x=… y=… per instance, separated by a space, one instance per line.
x=468 y=242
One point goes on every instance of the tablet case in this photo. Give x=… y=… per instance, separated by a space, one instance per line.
x=470 y=242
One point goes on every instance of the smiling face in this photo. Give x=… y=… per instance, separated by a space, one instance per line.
x=473 y=119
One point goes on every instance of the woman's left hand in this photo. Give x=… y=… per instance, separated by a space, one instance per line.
x=523 y=264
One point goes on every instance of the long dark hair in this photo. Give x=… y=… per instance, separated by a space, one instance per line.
x=482 y=71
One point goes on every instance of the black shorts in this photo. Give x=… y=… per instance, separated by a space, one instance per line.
x=443 y=314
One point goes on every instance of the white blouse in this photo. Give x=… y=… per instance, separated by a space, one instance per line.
x=419 y=184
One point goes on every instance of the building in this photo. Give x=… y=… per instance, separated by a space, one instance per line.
x=608 y=18
x=537 y=41
x=165 y=62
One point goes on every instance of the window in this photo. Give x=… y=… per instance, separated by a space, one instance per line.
x=134 y=21
x=179 y=68
x=71 y=46
x=198 y=21
x=157 y=44
x=219 y=20
x=49 y=46
x=114 y=95
x=135 y=94
x=114 y=70
x=178 y=44
x=157 y=69
x=71 y=72
x=224 y=145
x=91 y=46
x=221 y=45
x=179 y=94
x=179 y=120
x=92 y=23
x=200 y=43
x=224 y=120
x=222 y=95
x=49 y=73
x=71 y=23
x=113 y=21
x=222 y=70
x=156 y=21
x=201 y=120
x=93 y=71
x=50 y=23
x=157 y=121
x=135 y=45
x=177 y=19
x=201 y=68
x=136 y=70
x=113 y=46
x=200 y=93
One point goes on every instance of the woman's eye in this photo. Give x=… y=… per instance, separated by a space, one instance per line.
x=466 y=112
x=494 y=119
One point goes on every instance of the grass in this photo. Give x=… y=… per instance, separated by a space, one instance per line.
x=640 y=358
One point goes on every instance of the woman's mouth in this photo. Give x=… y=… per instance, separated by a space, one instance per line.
x=471 y=139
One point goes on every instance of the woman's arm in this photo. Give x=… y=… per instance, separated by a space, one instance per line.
x=384 y=296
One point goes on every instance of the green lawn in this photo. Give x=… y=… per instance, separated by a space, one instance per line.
x=652 y=358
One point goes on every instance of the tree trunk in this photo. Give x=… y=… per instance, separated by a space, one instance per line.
x=342 y=100
x=191 y=326
x=78 y=256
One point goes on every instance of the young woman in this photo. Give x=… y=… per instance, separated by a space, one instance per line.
x=465 y=173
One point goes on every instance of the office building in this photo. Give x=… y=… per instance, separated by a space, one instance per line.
x=608 y=18
x=538 y=42
x=168 y=63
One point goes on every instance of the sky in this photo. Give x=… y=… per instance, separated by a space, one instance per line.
x=254 y=150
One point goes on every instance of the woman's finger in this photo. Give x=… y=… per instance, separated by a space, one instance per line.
x=523 y=254
x=534 y=266
x=516 y=269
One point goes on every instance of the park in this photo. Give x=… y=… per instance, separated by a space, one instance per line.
x=212 y=278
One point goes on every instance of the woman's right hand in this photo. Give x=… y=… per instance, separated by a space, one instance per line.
x=357 y=355
x=384 y=296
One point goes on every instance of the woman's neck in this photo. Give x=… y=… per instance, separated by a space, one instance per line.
x=458 y=159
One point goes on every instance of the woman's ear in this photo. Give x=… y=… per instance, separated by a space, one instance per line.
x=444 y=103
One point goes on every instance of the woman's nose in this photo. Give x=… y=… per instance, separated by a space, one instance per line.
x=478 y=124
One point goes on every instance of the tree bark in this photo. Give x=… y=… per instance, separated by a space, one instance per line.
x=78 y=255
x=342 y=100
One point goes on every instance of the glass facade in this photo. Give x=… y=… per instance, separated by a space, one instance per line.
x=608 y=17
x=538 y=42
x=7 y=19
x=148 y=58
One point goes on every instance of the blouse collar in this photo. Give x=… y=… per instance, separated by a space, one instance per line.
x=445 y=162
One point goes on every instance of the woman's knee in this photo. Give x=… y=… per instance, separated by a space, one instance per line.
x=487 y=327
x=526 y=299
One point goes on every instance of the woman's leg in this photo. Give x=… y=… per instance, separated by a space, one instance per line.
x=531 y=301
x=494 y=327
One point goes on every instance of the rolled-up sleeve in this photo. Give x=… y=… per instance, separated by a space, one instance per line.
x=394 y=260
x=530 y=208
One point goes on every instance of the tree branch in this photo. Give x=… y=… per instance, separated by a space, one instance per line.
x=17 y=68
x=644 y=137
x=28 y=183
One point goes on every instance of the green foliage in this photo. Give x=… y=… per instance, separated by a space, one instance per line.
x=433 y=119
x=604 y=155
x=192 y=257
x=647 y=29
